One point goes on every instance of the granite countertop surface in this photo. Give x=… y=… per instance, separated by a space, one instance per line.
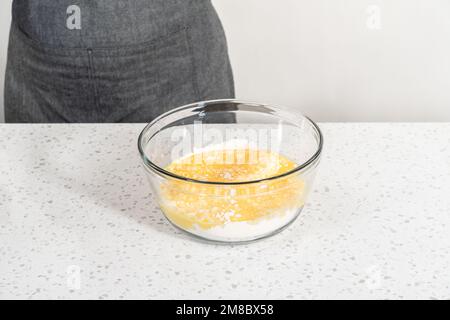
x=77 y=220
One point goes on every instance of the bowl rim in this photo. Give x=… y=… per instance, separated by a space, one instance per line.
x=161 y=171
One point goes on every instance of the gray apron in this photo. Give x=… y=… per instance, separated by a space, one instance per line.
x=113 y=60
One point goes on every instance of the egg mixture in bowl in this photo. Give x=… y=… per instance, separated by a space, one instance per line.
x=231 y=171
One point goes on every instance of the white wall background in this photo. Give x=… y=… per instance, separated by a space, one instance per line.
x=5 y=19
x=336 y=60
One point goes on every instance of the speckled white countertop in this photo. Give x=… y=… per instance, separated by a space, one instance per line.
x=77 y=221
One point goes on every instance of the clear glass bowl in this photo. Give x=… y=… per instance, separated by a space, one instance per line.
x=231 y=171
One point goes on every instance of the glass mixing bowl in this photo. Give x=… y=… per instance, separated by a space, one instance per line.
x=231 y=171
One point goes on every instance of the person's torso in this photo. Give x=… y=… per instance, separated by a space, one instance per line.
x=101 y=23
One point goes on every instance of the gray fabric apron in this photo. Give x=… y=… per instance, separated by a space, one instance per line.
x=113 y=60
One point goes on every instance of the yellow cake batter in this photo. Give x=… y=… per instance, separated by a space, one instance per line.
x=190 y=204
